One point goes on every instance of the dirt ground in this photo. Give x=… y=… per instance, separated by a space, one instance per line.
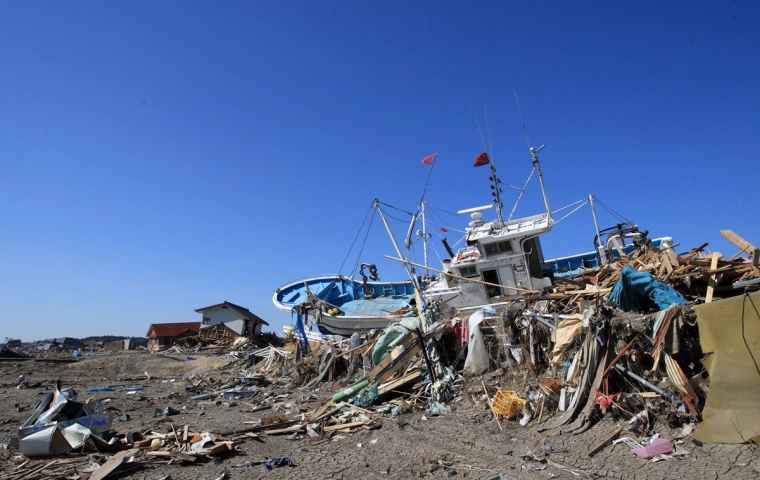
x=465 y=443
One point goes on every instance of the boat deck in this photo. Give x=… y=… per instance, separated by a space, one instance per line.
x=375 y=307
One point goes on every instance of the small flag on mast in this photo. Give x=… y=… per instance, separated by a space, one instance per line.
x=429 y=159
x=481 y=160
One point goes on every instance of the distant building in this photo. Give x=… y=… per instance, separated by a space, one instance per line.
x=227 y=320
x=162 y=335
x=68 y=343
x=93 y=345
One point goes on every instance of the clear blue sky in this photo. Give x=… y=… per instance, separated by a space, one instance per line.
x=158 y=157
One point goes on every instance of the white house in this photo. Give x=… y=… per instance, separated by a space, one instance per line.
x=238 y=320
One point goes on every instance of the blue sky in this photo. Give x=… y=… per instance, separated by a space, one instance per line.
x=159 y=157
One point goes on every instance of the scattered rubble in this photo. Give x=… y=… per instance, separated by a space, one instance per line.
x=633 y=346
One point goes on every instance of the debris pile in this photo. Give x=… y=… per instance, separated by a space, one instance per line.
x=626 y=340
x=644 y=342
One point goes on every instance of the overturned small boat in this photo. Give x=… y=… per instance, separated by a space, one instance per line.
x=341 y=305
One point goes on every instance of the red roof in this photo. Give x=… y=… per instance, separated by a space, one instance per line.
x=172 y=329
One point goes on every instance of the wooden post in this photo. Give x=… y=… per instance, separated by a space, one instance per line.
x=711 y=282
x=488 y=399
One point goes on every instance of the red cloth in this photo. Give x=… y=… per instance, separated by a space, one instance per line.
x=429 y=160
x=464 y=334
x=482 y=159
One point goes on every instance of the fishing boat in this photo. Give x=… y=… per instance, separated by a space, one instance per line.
x=341 y=305
x=501 y=260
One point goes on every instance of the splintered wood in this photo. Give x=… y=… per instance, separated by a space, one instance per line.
x=692 y=273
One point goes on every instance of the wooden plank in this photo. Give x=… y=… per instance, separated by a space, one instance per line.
x=616 y=244
x=352 y=350
x=393 y=384
x=400 y=361
x=218 y=447
x=344 y=425
x=406 y=343
x=112 y=464
x=605 y=442
x=712 y=283
x=294 y=428
x=36 y=469
x=490 y=405
x=744 y=245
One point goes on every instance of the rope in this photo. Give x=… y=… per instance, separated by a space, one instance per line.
x=571 y=211
x=582 y=200
x=371 y=209
x=613 y=212
x=746 y=296
x=364 y=243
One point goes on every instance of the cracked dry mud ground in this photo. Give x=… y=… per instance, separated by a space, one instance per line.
x=464 y=444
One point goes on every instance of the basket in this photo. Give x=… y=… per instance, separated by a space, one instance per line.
x=508 y=404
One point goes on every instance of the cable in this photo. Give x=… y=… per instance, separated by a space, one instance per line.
x=613 y=212
x=746 y=296
x=371 y=209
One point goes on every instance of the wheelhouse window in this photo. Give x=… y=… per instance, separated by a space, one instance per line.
x=498 y=248
x=206 y=321
x=468 y=271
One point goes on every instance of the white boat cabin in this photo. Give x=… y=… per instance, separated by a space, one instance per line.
x=501 y=259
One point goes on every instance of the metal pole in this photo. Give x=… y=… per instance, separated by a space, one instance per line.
x=395 y=245
x=646 y=383
x=601 y=251
x=537 y=166
x=424 y=241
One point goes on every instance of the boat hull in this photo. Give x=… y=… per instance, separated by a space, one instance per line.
x=342 y=306
x=347 y=325
x=337 y=291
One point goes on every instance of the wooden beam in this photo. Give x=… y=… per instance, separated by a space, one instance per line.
x=616 y=244
x=393 y=384
x=343 y=425
x=744 y=245
x=606 y=441
x=112 y=464
x=490 y=405
x=711 y=282
x=294 y=428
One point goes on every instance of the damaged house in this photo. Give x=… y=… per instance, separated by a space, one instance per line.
x=162 y=335
x=228 y=321
x=67 y=343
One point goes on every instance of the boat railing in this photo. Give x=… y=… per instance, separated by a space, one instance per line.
x=300 y=281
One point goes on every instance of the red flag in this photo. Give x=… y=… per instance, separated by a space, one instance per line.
x=443 y=229
x=429 y=159
x=481 y=160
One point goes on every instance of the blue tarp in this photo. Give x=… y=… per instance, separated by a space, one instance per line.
x=303 y=342
x=116 y=389
x=634 y=290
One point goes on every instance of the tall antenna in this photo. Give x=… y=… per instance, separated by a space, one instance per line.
x=496 y=193
x=525 y=130
x=478 y=124
x=534 y=158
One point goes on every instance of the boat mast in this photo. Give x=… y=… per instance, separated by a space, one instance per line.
x=408 y=269
x=600 y=245
x=496 y=193
x=537 y=166
x=424 y=242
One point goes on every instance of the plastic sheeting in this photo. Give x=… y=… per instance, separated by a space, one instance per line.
x=477 y=355
x=635 y=290
x=565 y=335
x=392 y=336
x=730 y=329
x=300 y=331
